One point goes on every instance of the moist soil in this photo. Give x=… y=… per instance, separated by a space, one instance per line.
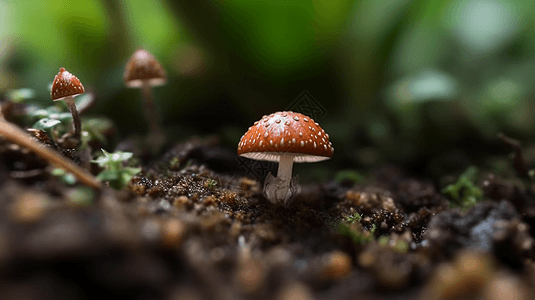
x=190 y=227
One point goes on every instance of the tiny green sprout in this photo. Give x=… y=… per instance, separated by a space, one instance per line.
x=351 y=176
x=464 y=193
x=64 y=176
x=353 y=218
x=210 y=184
x=115 y=173
x=352 y=228
x=174 y=164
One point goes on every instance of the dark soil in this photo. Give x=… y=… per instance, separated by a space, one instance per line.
x=196 y=229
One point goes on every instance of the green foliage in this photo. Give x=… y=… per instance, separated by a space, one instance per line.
x=64 y=176
x=349 y=175
x=352 y=228
x=464 y=193
x=46 y=124
x=210 y=184
x=398 y=246
x=20 y=95
x=115 y=172
x=52 y=112
x=82 y=196
x=96 y=128
x=174 y=164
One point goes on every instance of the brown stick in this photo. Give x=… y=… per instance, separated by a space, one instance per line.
x=519 y=163
x=19 y=137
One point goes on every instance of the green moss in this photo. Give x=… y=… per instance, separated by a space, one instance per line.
x=349 y=175
x=352 y=228
x=210 y=184
x=464 y=193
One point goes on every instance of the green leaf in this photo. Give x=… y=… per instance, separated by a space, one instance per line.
x=101 y=160
x=121 y=156
x=108 y=175
x=20 y=95
x=40 y=114
x=61 y=116
x=131 y=171
x=46 y=123
x=64 y=176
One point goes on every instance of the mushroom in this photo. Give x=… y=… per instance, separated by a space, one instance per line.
x=65 y=87
x=144 y=71
x=285 y=137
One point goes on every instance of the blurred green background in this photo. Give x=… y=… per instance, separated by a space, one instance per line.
x=424 y=85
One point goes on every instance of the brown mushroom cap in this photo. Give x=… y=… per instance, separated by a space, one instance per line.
x=141 y=67
x=65 y=84
x=286 y=132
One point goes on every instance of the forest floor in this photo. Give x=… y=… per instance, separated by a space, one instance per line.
x=181 y=230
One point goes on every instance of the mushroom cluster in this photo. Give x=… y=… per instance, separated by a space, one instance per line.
x=285 y=137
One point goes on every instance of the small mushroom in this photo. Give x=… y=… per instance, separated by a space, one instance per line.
x=285 y=137
x=144 y=71
x=65 y=87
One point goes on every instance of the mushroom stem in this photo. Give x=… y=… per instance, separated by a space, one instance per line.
x=76 y=123
x=284 y=172
x=19 y=137
x=283 y=187
x=150 y=110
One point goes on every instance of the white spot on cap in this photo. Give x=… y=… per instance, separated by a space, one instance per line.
x=260 y=144
x=293 y=141
x=282 y=142
x=296 y=118
x=271 y=142
x=302 y=144
x=266 y=134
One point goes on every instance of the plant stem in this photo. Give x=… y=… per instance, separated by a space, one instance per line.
x=150 y=110
x=76 y=123
x=19 y=137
